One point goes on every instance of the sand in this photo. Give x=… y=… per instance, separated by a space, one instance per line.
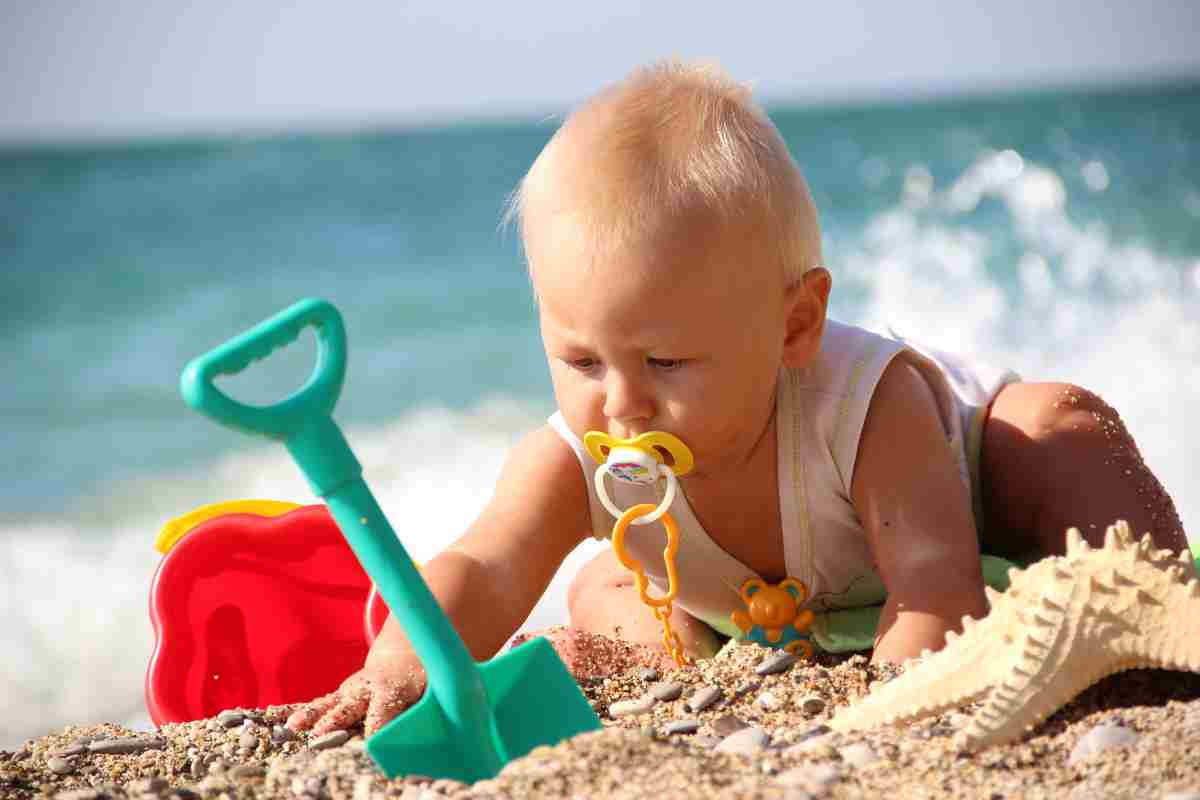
x=634 y=757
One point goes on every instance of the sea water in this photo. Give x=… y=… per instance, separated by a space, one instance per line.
x=1055 y=233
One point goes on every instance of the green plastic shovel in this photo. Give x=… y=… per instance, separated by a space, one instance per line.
x=474 y=718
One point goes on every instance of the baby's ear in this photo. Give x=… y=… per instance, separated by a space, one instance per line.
x=806 y=302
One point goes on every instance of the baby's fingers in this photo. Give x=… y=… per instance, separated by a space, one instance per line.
x=347 y=711
x=335 y=711
x=387 y=701
x=307 y=715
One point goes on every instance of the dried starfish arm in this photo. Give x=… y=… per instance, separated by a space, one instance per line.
x=1174 y=642
x=1065 y=623
x=1162 y=613
x=1032 y=684
x=963 y=671
x=1134 y=612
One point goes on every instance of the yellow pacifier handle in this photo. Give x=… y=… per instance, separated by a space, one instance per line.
x=643 y=460
x=600 y=444
x=661 y=606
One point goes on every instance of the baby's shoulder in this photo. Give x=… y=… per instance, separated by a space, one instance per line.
x=539 y=508
x=904 y=425
x=543 y=454
x=543 y=469
x=843 y=342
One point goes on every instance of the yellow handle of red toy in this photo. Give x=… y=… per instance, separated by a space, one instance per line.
x=177 y=528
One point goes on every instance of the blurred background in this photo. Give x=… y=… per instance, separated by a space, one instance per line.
x=1016 y=180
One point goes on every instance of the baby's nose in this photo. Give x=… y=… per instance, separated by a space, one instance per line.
x=627 y=399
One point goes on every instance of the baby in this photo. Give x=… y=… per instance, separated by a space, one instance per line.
x=676 y=260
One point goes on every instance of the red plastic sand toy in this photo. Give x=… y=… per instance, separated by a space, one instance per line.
x=250 y=611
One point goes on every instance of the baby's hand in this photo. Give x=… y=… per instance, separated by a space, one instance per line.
x=388 y=683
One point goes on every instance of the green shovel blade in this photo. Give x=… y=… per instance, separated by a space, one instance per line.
x=473 y=718
x=524 y=687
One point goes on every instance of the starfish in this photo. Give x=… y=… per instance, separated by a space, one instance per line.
x=1064 y=623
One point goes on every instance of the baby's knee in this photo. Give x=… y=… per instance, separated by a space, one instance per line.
x=1073 y=463
x=593 y=581
x=1063 y=413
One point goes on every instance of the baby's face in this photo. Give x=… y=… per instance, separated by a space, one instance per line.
x=682 y=334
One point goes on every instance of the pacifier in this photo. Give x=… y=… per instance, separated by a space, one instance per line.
x=642 y=460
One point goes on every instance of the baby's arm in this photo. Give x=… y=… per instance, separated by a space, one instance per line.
x=487 y=582
x=917 y=514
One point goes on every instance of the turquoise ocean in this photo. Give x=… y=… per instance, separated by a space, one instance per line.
x=1058 y=233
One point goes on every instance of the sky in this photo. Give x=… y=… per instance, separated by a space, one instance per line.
x=73 y=69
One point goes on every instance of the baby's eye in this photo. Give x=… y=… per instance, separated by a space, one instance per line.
x=666 y=363
x=582 y=364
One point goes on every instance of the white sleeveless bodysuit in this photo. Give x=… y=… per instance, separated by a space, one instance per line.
x=820 y=414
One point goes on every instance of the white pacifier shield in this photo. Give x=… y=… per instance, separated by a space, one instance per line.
x=632 y=465
x=655 y=471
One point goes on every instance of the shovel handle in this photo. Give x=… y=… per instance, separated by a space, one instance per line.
x=457 y=701
x=304 y=423
x=316 y=398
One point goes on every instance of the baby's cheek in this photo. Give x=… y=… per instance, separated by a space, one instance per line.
x=718 y=430
x=576 y=407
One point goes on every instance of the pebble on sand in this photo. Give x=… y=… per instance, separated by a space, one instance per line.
x=745 y=741
x=703 y=698
x=1101 y=738
x=667 y=691
x=858 y=754
x=812 y=705
x=775 y=663
x=728 y=724
x=682 y=726
x=329 y=740
x=136 y=744
x=627 y=708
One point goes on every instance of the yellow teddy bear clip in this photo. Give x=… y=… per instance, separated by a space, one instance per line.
x=774 y=618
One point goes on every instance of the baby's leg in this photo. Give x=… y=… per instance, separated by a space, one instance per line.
x=1056 y=456
x=604 y=599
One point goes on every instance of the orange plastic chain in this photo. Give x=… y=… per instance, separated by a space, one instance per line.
x=661 y=606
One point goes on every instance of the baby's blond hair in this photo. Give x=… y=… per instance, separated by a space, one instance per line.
x=671 y=141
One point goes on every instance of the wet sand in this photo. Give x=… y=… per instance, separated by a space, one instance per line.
x=791 y=756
